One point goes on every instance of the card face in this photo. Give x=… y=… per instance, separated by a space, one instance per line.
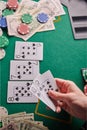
x=19 y=92
x=23 y=70
x=40 y=87
x=29 y=50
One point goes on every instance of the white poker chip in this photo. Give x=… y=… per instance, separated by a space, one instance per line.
x=2 y=5
x=3 y=112
x=1 y=32
x=2 y=53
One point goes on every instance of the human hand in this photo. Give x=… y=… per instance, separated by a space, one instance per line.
x=70 y=98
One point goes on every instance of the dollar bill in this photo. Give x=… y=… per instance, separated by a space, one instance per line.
x=31 y=125
x=10 y=126
x=6 y=119
x=22 y=121
x=26 y=6
x=13 y=21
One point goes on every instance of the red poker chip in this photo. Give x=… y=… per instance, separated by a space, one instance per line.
x=12 y=4
x=23 y=29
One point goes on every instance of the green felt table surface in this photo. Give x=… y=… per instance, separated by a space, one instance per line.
x=64 y=56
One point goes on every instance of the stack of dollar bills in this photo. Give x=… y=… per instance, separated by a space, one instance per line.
x=21 y=121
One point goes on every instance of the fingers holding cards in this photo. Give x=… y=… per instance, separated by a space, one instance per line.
x=40 y=87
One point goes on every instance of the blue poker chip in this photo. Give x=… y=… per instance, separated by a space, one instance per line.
x=3 y=22
x=42 y=17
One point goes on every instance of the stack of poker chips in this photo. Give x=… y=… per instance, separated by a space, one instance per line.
x=84 y=74
x=6 y=8
x=3 y=43
x=23 y=28
x=12 y=4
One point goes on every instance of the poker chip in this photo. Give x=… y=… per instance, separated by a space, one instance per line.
x=3 y=112
x=26 y=18
x=2 y=5
x=1 y=32
x=7 y=12
x=3 y=22
x=42 y=17
x=23 y=29
x=12 y=4
x=3 y=41
x=2 y=53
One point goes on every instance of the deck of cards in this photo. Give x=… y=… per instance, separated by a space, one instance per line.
x=21 y=121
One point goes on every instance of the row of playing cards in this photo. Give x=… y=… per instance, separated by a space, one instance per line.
x=23 y=70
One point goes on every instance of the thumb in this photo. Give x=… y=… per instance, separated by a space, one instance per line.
x=57 y=95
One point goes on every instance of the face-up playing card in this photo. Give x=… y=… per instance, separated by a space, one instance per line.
x=19 y=92
x=40 y=87
x=24 y=70
x=29 y=50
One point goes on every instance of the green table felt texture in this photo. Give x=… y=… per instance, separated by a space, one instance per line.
x=63 y=55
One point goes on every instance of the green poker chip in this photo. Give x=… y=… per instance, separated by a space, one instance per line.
x=7 y=12
x=3 y=41
x=26 y=18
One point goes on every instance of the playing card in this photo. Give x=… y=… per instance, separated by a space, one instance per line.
x=23 y=70
x=29 y=50
x=36 y=91
x=19 y=92
x=40 y=87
